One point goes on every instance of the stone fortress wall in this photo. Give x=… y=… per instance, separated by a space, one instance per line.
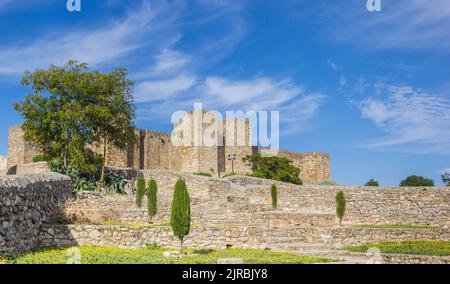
x=155 y=150
x=235 y=211
x=2 y=164
x=26 y=204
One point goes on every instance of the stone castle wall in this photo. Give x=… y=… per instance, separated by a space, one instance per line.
x=155 y=150
x=314 y=166
x=26 y=203
x=19 y=151
x=2 y=163
x=247 y=201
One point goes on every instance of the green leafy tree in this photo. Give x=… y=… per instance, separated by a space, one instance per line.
x=152 y=199
x=446 y=178
x=113 y=112
x=372 y=182
x=71 y=108
x=340 y=206
x=180 y=214
x=416 y=181
x=274 y=168
x=140 y=191
x=274 y=193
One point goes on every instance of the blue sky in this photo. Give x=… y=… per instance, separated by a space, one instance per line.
x=371 y=89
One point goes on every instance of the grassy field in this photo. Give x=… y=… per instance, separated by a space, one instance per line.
x=436 y=248
x=111 y=255
x=395 y=226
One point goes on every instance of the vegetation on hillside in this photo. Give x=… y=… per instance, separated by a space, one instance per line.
x=446 y=178
x=416 y=181
x=372 y=182
x=154 y=255
x=274 y=168
x=419 y=247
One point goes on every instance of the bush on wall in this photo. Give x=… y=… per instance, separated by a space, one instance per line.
x=372 y=182
x=152 y=199
x=274 y=168
x=416 y=181
x=140 y=191
x=274 y=193
x=180 y=213
x=340 y=206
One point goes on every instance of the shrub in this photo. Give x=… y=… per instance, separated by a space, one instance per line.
x=203 y=174
x=180 y=213
x=140 y=192
x=372 y=182
x=116 y=183
x=340 y=206
x=446 y=178
x=152 y=199
x=416 y=181
x=274 y=193
x=39 y=158
x=274 y=168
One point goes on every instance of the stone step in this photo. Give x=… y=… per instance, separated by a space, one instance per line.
x=323 y=250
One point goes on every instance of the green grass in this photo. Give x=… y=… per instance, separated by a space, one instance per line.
x=395 y=226
x=435 y=248
x=203 y=174
x=154 y=255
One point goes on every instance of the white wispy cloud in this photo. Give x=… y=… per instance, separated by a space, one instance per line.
x=401 y=24
x=414 y=120
x=297 y=107
x=166 y=89
x=96 y=46
x=168 y=78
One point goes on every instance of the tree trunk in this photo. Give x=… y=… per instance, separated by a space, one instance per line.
x=102 y=176
x=66 y=150
x=180 y=251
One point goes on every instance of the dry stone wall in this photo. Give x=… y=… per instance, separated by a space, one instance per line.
x=26 y=203
x=246 y=201
x=365 y=205
x=219 y=237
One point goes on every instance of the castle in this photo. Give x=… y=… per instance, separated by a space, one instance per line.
x=156 y=151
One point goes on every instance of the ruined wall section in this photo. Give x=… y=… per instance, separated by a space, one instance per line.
x=314 y=166
x=238 y=146
x=19 y=151
x=157 y=150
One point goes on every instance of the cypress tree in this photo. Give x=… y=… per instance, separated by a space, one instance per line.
x=152 y=199
x=140 y=192
x=180 y=213
x=274 y=193
x=340 y=206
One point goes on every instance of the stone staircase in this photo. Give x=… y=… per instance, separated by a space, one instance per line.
x=322 y=249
